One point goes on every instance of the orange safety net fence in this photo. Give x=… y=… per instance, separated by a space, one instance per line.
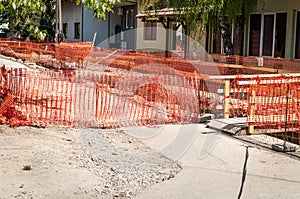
x=9 y=113
x=73 y=55
x=109 y=98
x=271 y=65
x=51 y=55
x=238 y=98
x=128 y=60
x=274 y=106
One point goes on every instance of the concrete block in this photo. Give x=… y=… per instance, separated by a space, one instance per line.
x=285 y=148
x=206 y=118
x=232 y=125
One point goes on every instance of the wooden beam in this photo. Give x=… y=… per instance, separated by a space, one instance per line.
x=253 y=76
x=227 y=98
x=268 y=81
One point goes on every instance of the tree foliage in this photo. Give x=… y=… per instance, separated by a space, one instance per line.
x=36 y=18
x=204 y=11
x=100 y=6
x=48 y=19
x=200 y=13
x=24 y=17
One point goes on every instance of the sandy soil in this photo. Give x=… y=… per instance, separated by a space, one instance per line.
x=77 y=163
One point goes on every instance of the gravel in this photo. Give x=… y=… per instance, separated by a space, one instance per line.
x=78 y=163
x=126 y=164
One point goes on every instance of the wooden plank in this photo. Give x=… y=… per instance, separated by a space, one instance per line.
x=252 y=76
x=251 y=112
x=269 y=81
x=227 y=98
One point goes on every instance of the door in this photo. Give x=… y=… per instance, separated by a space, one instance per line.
x=128 y=27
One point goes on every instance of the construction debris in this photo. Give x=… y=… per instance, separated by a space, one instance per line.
x=8 y=113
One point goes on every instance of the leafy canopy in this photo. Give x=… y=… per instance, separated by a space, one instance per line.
x=204 y=11
x=25 y=15
x=100 y=6
x=29 y=17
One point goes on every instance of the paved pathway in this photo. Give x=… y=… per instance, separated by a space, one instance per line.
x=214 y=164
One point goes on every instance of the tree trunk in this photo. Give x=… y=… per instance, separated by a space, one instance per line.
x=226 y=36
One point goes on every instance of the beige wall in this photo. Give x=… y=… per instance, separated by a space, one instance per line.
x=289 y=6
x=160 y=41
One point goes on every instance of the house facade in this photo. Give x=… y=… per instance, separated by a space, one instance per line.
x=80 y=25
x=158 y=31
x=273 y=30
x=121 y=29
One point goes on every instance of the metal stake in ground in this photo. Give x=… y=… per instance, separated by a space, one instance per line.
x=286 y=115
x=284 y=147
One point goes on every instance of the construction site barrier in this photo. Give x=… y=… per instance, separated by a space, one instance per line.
x=105 y=99
x=268 y=64
x=274 y=105
x=235 y=95
x=111 y=87
x=269 y=101
x=74 y=55
x=71 y=55
x=51 y=55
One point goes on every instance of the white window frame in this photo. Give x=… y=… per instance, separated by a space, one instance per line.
x=295 y=34
x=127 y=15
x=262 y=32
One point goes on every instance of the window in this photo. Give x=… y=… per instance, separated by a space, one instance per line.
x=76 y=30
x=65 y=30
x=217 y=44
x=150 y=31
x=178 y=37
x=297 y=46
x=128 y=17
x=237 y=35
x=254 y=39
x=238 y=38
x=267 y=34
x=280 y=35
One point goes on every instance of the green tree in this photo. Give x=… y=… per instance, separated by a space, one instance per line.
x=23 y=17
x=48 y=19
x=36 y=18
x=100 y=6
